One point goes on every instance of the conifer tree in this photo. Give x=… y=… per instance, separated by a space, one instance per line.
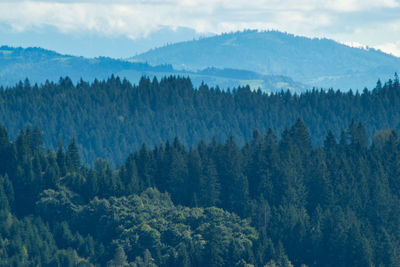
x=73 y=160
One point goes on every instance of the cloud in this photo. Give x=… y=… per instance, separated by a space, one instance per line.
x=138 y=18
x=359 y=5
x=107 y=19
x=340 y=19
x=390 y=48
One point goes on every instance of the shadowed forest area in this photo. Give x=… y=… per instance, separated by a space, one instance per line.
x=273 y=201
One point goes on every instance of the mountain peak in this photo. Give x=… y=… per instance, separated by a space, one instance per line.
x=319 y=62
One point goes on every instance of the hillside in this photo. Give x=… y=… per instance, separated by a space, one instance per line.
x=39 y=64
x=111 y=118
x=316 y=62
x=299 y=205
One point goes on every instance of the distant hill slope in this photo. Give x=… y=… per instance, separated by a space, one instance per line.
x=317 y=62
x=40 y=65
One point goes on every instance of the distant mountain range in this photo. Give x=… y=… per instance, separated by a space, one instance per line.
x=269 y=60
x=89 y=44
x=316 y=62
x=39 y=65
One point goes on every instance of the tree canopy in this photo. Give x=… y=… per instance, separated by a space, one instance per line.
x=270 y=202
x=110 y=119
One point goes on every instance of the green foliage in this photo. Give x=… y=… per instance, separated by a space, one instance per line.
x=112 y=118
x=273 y=201
x=151 y=224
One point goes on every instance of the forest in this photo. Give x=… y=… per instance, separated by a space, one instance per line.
x=273 y=201
x=112 y=118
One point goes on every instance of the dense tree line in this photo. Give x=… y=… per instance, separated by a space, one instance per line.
x=273 y=201
x=110 y=118
x=56 y=212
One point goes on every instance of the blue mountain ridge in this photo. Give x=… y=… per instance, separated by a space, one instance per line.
x=313 y=61
x=39 y=65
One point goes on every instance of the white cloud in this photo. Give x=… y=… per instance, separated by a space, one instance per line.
x=355 y=44
x=76 y=17
x=390 y=48
x=359 y=5
x=137 y=18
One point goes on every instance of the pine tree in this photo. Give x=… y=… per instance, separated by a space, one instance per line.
x=5 y=150
x=209 y=186
x=73 y=160
x=61 y=159
x=129 y=176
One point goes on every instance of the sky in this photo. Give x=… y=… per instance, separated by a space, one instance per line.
x=372 y=23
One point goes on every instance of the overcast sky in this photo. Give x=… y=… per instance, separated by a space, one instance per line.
x=375 y=23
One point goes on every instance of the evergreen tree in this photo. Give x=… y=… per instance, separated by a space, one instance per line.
x=73 y=160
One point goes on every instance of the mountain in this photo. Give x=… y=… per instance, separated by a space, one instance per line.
x=40 y=65
x=316 y=62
